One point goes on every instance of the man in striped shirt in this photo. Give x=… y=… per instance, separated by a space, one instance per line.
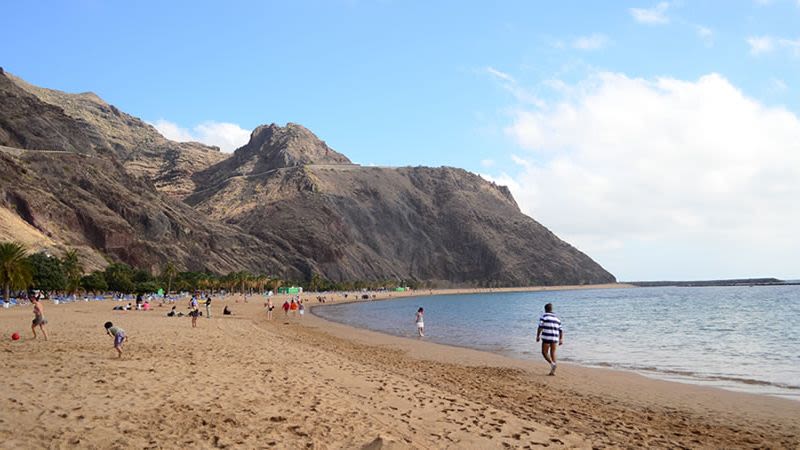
x=551 y=334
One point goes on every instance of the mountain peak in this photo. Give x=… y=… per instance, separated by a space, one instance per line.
x=290 y=145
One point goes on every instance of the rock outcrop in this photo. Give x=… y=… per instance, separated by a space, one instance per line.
x=79 y=172
x=92 y=126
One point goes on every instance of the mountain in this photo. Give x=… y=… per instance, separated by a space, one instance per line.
x=82 y=173
x=68 y=181
x=84 y=123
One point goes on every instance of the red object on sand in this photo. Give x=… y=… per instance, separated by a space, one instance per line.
x=15 y=337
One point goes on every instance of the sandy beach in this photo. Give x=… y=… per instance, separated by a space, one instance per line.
x=241 y=381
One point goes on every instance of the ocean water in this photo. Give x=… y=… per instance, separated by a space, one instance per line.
x=739 y=338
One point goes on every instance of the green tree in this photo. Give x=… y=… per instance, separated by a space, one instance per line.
x=119 y=277
x=15 y=271
x=48 y=273
x=168 y=274
x=142 y=276
x=73 y=270
x=146 y=287
x=94 y=282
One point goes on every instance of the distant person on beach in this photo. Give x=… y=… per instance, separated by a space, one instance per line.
x=286 y=307
x=194 y=311
x=38 y=316
x=119 y=337
x=270 y=307
x=293 y=308
x=420 y=322
x=208 y=306
x=226 y=311
x=552 y=335
x=300 y=308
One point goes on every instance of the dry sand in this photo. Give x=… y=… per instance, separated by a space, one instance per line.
x=243 y=382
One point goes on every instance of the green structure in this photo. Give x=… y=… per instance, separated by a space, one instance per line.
x=288 y=290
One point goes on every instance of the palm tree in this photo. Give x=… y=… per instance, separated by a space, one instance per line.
x=169 y=273
x=242 y=279
x=15 y=272
x=73 y=270
x=261 y=282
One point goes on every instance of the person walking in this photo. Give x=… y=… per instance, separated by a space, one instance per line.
x=38 y=316
x=270 y=307
x=208 y=306
x=286 y=307
x=420 y=322
x=551 y=334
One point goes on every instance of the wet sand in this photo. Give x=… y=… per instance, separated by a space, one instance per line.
x=244 y=382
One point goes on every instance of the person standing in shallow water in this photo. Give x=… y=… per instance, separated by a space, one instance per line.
x=420 y=322
x=551 y=334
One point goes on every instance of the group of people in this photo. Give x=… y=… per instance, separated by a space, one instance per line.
x=294 y=306
x=549 y=331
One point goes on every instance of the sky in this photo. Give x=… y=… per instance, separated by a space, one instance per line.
x=660 y=138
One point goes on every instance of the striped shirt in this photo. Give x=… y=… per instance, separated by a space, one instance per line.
x=551 y=327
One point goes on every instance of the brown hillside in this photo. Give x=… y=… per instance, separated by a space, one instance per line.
x=79 y=172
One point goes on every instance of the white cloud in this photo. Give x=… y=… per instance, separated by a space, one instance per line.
x=793 y=45
x=499 y=74
x=705 y=34
x=760 y=44
x=487 y=162
x=227 y=136
x=509 y=83
x=656 y=15
x=592 y=42
x=778 y=86
x=767 y=44
x=172 y=131
x=664 y=178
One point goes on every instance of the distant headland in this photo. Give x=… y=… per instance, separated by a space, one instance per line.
x=707 y=283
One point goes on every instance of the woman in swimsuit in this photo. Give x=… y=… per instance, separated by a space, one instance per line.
x=420 y=322
x=270 y=307
x=38 y=317
x=194 y=311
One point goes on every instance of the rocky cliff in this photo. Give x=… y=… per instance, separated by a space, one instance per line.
x=84 y=123
x=81 y=173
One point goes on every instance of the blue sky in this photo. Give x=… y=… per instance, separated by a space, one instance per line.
x=590 y=111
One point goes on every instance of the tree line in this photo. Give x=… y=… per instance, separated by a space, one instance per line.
x=20 y=271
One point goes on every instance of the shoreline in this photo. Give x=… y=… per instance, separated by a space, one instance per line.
x=736 y=386
x=626 y=390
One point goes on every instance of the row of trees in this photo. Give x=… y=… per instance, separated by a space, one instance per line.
x=20 y=271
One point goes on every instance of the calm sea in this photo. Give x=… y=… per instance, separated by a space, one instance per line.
x=740 y=338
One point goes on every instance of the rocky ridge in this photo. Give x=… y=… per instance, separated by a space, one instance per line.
x=82 y=173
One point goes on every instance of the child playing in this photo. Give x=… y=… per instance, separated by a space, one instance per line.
x=119 y=336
